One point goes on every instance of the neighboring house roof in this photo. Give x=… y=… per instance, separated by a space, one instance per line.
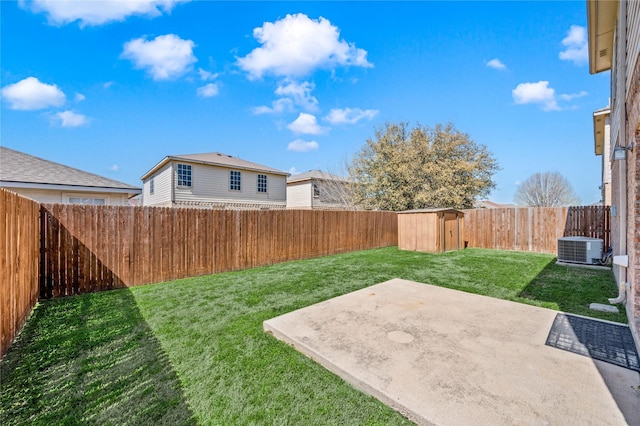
x=486 y=204
x=434 y=210
x=315 y=175
x=216 y=159
x=18 y=169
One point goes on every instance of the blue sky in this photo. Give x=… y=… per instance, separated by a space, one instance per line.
x=113 y=87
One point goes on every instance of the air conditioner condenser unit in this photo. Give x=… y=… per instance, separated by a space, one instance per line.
x=580 y=250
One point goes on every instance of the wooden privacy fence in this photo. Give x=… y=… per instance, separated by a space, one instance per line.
x=93 y=248
x=19 y=254
x=535 y=229
x=77 y=249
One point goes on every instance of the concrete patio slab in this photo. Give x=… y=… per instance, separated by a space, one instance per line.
x=446 y=357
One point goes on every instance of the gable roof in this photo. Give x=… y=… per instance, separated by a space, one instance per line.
x=216 y=159
x=315 y=175
x=21 y=169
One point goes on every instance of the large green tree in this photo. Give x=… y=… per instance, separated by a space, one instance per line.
x=406 y=168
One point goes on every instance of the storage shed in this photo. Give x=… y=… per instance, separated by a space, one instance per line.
x=431 y=230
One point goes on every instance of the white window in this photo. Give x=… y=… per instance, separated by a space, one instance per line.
x=262 y=183
x=88 y=200
x=184 y=175
x=152 y=186
x=235 y=180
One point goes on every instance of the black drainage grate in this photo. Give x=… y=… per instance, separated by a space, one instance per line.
x=599 y=340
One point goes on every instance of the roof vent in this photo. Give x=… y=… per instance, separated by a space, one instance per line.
x=603 y=53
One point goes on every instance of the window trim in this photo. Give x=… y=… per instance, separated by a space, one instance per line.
x=266 y=184
x=233 y=176
x=184 y=167
x=152 y=186
x=85 y=198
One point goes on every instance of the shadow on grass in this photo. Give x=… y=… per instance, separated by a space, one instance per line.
x=572 y=289
x=89 y=359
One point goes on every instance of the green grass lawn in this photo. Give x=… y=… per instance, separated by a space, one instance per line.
x=193 y=351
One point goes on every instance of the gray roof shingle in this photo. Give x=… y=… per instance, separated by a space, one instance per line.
x=315 y=174
x=217 y=159
x=16 y=166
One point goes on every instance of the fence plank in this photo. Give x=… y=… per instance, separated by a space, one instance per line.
x=534 y=229
x=94 y=248
x=19 y=263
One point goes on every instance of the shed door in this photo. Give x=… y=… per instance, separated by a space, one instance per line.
x=451 y=231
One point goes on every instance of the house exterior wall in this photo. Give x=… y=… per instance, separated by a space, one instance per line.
x=618 y=174
x=210 y=188
x=633 y=184
x=633 y=44
x=625 y=177
x=59 y=196
x=332 y=195
x=299 y=195
x=162 y=184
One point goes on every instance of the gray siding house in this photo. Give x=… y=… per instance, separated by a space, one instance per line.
x=316 y=189
x=49 y=182
x=213 y=180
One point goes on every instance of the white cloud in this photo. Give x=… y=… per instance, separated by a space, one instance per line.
x=540 y=93
x=307 y=124
x=208 y=90
x=572 y=96
x=278 y=106
x=114 y=168
x=107 y=84
x=300 y=94
x=576 y=46
x=206 y=75
x=70 y=119
x=299 y=145
x=496 y=64
x=291 y=94
x=165 y=57
x=297 y=45
x=31 y=94
x=350 y=115
x=61 y=12
x=79 y=97
x=293 y=171
x=536 y=93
